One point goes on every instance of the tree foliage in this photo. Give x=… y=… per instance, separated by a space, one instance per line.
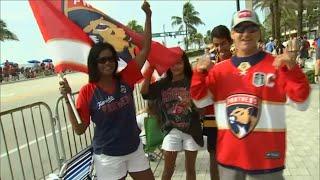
x=288 y=15
x=187 y=22
x=5 y=34
x=133 y=24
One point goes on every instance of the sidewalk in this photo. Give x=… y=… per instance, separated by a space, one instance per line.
x=302 y=161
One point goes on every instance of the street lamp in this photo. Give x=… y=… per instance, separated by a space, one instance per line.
x=164 y=37
x=238 y=5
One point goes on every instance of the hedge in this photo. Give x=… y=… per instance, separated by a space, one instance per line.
x=193 y=53
x=310 y=76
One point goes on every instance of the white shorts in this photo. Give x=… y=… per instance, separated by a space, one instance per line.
x=116 y=167
x=177 y=140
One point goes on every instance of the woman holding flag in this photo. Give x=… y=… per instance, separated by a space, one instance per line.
x=108 y=101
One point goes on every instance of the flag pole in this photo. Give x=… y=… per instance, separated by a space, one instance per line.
x=70 y=99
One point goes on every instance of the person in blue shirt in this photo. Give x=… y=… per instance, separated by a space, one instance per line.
x=270 y=46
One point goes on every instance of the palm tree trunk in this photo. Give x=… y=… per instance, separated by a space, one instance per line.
x=300 y=18
x=272 y=20
x=285 y=31
x=186 y=39
x=277 y=13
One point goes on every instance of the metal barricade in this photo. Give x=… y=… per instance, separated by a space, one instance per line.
x=71 y=143
x=34 y=143
x=139 y=102
x=28 y=142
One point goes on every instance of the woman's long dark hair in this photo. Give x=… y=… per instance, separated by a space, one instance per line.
x=186 y=68
x=93 y=71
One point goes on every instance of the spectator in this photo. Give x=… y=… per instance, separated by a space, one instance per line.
x=303 y=51
x=222 y=42
x=293 y=45
x=107 y=100
x=261 y=45
x=270 y=46
x=181 y=121
x=6 y=71
x=250 y=92
x=279 y=47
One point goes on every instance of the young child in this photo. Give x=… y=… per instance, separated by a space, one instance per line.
x=180 y=120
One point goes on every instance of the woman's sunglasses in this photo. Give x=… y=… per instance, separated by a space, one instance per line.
x=251 y=28
x=103 y=60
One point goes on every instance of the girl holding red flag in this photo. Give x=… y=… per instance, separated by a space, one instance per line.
x=108 y=101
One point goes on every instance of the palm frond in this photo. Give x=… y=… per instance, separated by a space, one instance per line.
x=5 y=34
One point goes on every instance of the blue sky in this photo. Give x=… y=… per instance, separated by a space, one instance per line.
x=19 y=19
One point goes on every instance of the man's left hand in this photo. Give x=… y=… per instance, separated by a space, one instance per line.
x=287 y=58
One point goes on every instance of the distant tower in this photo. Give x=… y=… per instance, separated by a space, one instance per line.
x=249 y=4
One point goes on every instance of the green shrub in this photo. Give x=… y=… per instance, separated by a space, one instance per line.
x=310 y=76
x=195 y=53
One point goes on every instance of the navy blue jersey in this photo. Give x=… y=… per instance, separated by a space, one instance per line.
x=116 y=132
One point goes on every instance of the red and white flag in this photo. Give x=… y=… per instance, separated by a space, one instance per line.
x=70 y=27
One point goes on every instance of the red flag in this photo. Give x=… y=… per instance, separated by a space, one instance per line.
x=66 y=26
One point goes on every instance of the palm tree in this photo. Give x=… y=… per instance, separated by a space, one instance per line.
x=299 y=17
x=188 y=21
x=133 y=24
x=207 y=37
x=267 y=4
x=5 y=34
x=275 y=12
x=312 y=16
x=278 y=10
x=198 y=39
x=277 y=16
x=288 y=21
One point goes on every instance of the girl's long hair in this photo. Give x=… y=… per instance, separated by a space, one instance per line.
x=187 y=69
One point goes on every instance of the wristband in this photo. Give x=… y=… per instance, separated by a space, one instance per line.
x=148 y=72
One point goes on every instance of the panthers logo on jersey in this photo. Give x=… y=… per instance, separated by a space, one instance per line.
x=243 y=113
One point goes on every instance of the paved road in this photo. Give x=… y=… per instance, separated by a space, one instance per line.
x=43 y=89
x=17 y=133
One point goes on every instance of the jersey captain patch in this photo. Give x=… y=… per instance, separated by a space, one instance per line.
x=243 y=112
x=258 y=79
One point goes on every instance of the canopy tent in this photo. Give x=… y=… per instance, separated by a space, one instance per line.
x=47 y=60
x=33 y=61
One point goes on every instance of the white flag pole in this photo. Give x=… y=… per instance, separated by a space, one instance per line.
x=70 y=99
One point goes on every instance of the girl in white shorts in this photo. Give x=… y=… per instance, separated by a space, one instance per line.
x=178 y=116
x=117 y=167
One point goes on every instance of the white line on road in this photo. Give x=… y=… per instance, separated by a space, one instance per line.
x=4 y=95
x=31 y=143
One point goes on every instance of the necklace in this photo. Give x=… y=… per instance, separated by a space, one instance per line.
x=243 y=67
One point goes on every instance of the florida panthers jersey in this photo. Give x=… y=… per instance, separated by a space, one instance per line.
x=116 y=132
x=249 y=96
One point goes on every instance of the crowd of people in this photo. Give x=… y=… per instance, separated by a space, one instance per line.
x=301 y=47
x=12 y=71
x=236 y=97
x=299 y=44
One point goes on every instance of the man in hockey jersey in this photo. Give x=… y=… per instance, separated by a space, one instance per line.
x=249 y=92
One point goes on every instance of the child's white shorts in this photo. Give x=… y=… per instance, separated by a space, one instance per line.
x=116 y=167
x=177 y=140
